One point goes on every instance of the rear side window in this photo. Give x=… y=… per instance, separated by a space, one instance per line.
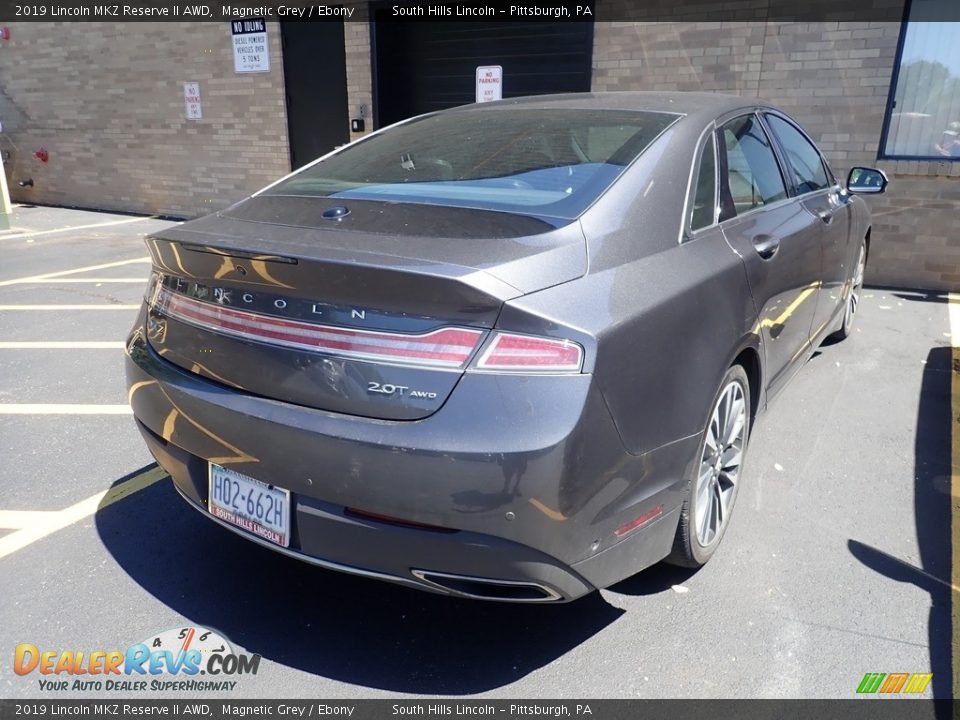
x=753 y=177
x=803 y=160
x=703 y=210
x=548 y=162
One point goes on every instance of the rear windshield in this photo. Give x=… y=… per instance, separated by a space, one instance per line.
x=541 y=162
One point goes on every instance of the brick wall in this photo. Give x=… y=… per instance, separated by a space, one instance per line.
x=359 y=73
x=916 y=229
x=106 y=101
x=834 y=77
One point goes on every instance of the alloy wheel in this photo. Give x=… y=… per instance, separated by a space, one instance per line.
x=857 y=287
x=720 y=463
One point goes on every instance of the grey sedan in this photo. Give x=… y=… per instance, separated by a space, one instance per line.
x=510 y=351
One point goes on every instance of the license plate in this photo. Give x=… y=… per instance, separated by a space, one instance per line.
x=261 y=509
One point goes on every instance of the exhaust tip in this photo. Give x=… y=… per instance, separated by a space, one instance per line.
x=27 y=182
x=479 y=588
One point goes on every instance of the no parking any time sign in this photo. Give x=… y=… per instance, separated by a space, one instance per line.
x=489 y=83
x=191 y=101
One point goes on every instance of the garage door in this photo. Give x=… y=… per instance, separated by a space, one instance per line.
x=426 y=66
x=317 y=115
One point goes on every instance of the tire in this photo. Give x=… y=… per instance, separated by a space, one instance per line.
x=715 y=482
x=853 y=300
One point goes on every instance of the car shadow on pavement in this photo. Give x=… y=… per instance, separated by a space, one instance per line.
x=654 y=580
x=932 y=516
x=365 y=632
x=921 y=296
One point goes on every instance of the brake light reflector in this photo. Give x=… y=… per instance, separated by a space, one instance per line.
x=534 y=354
x=448 y=347
x=636 y=523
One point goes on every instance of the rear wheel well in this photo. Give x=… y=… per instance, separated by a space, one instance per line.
x=749 y=360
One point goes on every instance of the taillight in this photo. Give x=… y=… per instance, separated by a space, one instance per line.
x=526 y=353
x=448 y=347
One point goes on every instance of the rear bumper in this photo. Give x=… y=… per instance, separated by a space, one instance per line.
x=526 y=479
x=487 y=568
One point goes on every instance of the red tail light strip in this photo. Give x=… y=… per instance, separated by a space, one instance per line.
x=446 y=347
x=524 y=352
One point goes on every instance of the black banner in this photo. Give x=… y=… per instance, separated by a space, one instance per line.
x=475 y=10
x=454 y=709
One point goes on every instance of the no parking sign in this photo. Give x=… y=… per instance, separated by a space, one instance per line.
x=489 y=83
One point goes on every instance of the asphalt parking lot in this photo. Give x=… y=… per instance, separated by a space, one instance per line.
x=838 y=560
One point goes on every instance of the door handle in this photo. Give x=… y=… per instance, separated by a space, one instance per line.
x=826 y=216
x=765 y=245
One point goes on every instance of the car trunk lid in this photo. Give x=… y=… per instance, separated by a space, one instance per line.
x=376 y=313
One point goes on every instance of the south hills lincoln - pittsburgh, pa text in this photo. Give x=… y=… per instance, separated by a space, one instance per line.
x=560 y=11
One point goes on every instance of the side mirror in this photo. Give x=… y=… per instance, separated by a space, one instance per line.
x=864 y=181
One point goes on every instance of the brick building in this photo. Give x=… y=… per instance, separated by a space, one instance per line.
x=107 y=104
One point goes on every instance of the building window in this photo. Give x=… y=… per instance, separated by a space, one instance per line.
x=923 y=118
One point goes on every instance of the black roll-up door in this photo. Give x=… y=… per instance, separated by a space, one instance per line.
x=315 y=74
x=426 y=66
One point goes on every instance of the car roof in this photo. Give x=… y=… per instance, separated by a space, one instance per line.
x=683 y=103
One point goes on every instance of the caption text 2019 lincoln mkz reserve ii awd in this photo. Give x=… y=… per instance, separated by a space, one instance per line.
x=509 y=351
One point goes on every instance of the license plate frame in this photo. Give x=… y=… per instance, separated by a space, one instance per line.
x=234 y=509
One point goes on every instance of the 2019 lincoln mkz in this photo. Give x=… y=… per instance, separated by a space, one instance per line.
x=508 y=351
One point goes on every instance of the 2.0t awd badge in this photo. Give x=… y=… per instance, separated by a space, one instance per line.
x=401 y=390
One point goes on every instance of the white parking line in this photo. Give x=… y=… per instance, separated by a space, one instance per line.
x=38 y=233
x=116 y=306
x=19 y=519
x=88 y=268
x=62 y=345
x=32 y=526
x=141 y=280
x=63 y=409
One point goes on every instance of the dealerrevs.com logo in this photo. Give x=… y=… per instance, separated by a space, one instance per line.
x=184 y=659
